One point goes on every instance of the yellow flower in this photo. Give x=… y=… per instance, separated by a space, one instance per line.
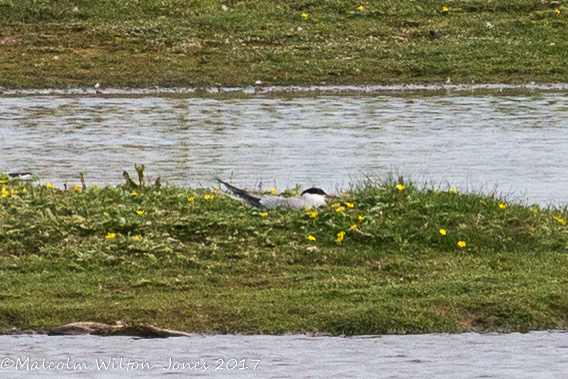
x=311 y=238
x=461 y=243
x=3 y=181
x=105 y=213
x=76 y=187
x=313 y=214
x=134 y=193
x=110 y=235
x=557 y=11
x=360 y=218
x=5 y=192
x=190 y=199
x=15 y=192
x=49 y=185
x=502 y=206
x=453 y=190
x=335 y=205
x=137 y=238
x=399 y=187
x=445 y=9
x=339 y=209
x=349 y=205
x=273 y=191
x=361 y=8
x=560 y=220
x=353 y=226
x=24 y=190
x=305 y=15
x=141 y=213
x=263 y=214
x=340 y=236
x=443 y=232
x=208 y=197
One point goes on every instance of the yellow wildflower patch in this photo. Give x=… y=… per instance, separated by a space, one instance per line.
x=76 y=188
x=560 y=220
x=263 y=214
x=311 y=238
x=313 y=214
x=339 y=209
x=208 y=197
x=110 y=235
x=140 y=213
x=443 y=232
x=273 y=191
x=134 y=193
x=399 y=187
x=445 y=9
x=137 y=238
x=361 y=217
x=353 y=226
x=361 y=8
x=5 y=192
x=453 y=190
x=461 y=243
x=190 y=199
x=335 y=205
x=349 y=205
x=304 y=16
x=49 y=185
x=340 y=236
x=502 y=206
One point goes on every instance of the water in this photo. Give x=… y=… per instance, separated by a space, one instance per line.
x=453 y=356
x=514 y=143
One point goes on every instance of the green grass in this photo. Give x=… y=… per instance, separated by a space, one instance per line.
x=214 y=265
x=141 y=43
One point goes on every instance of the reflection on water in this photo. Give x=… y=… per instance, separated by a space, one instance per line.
x=517 y=142
x=452 y=356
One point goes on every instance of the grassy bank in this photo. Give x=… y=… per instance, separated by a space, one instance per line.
x=140 y=43
x=381 y=258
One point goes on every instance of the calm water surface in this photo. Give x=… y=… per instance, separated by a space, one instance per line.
x=516 y=143
x=533 y=355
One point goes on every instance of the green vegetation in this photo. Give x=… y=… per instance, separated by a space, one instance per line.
x=141 y=43
x=384 y=258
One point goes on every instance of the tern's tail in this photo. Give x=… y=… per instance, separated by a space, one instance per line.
x=245 y=196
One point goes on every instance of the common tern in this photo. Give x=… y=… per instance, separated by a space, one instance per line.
x=310 y=198
x=25 y=176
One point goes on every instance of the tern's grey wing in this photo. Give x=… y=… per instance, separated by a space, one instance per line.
x=296 y=202
x=245 y=196
x=274 y=201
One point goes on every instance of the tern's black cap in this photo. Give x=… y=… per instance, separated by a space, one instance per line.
x=314 y=191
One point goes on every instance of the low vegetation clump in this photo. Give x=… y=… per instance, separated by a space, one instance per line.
x=142 y=43
x=384 y=257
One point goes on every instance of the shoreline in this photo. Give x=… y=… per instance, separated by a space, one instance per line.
x=295 y=90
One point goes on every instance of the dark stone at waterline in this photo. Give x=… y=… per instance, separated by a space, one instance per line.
x=99 y=329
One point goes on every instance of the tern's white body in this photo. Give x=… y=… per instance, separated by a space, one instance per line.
x=307 y=200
